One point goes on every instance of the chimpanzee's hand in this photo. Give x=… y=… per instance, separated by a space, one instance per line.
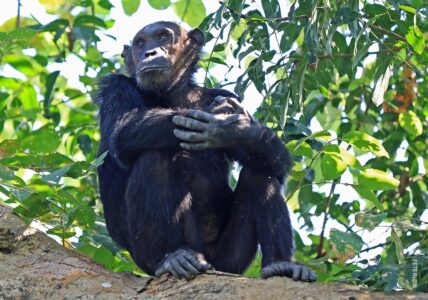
x=183 y=263
x=226 y=105
x=201 y=130
x=288 y=269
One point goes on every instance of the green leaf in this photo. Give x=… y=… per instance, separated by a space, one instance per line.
x=38 y=162
x=64 y=233
x=398 y=246
x=28 y=97
x=103 y=256
x=190 y=11
x=415 y=38
x=50 y=82
x=6 y=173
x=85 y=216
x=361 y=53
x=374 y=179
x=368 y=195
x=345 y=244
x=407 y=8
x=56 y=25
x=290 y=34
x=271 y=8
x=411 y=123
x=88 y=19
x=365 y=142
x=160 y=4
x=21 y=34
x=43 y=140
x=100 y=159
x=301 y=149
x=57 y=175
x=130 y=6
x=369 y=221
x=334 y=161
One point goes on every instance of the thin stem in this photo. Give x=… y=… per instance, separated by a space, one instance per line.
x=324 y=223
x=18 y=15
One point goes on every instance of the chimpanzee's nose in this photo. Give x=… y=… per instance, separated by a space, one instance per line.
x=151 y=52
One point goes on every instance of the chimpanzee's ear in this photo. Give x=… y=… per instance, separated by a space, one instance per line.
x=197 y=36
x=125 y=51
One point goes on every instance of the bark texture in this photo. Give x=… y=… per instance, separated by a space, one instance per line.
x=33 y=266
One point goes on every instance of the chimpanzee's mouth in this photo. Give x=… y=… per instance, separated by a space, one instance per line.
x=151 y=68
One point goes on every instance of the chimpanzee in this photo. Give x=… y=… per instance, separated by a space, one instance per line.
x=165 y=181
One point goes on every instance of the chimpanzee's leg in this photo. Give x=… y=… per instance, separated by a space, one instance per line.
x=259 y=215
x=162 y=228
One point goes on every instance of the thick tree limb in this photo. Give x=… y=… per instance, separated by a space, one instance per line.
x=33 y=266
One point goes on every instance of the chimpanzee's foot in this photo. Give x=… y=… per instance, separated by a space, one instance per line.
x=288 y=269
x=183 y=263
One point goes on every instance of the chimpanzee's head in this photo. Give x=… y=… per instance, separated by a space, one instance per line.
x=161 y=55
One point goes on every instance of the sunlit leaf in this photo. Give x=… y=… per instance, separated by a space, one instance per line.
x=415 y=38
x=130 y=6
x=190 y=11
x=334 y=161
x=411 y=123
x=160 y=4
x=301 y=149
x=374 y=179
x=365 y=142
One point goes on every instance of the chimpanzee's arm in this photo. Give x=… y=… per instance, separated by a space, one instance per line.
x=243 y=139
x=262 y=151
x=127 y=124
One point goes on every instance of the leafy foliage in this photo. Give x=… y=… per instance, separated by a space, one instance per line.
x=343 y=83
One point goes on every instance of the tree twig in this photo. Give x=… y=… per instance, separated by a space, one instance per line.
x=388 y=32
x=324 y=223
x=18 y=15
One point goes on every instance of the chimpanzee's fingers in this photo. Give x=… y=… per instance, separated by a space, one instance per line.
x=162 y=270
x=182 y=273
x=312 y=276
x=188 y=266
x=190 y=136
x=267 y=272
x=201 y=259
x=304 y=274
x=200 y=115
x=296 y=272
x=189 y=123
x=196 y=263
x=196 y=146
x=235 y=104
x=277 y=269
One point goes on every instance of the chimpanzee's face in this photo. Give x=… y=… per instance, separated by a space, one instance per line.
x=160 y=53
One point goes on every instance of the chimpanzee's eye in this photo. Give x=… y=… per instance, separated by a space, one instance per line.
x=163 y=37
x=140 y=43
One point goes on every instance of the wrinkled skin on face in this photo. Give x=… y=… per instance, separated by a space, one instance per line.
x=161 y=54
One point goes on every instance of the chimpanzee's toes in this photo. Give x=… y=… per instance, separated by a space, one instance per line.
x=289 y=269
x=183 y=263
